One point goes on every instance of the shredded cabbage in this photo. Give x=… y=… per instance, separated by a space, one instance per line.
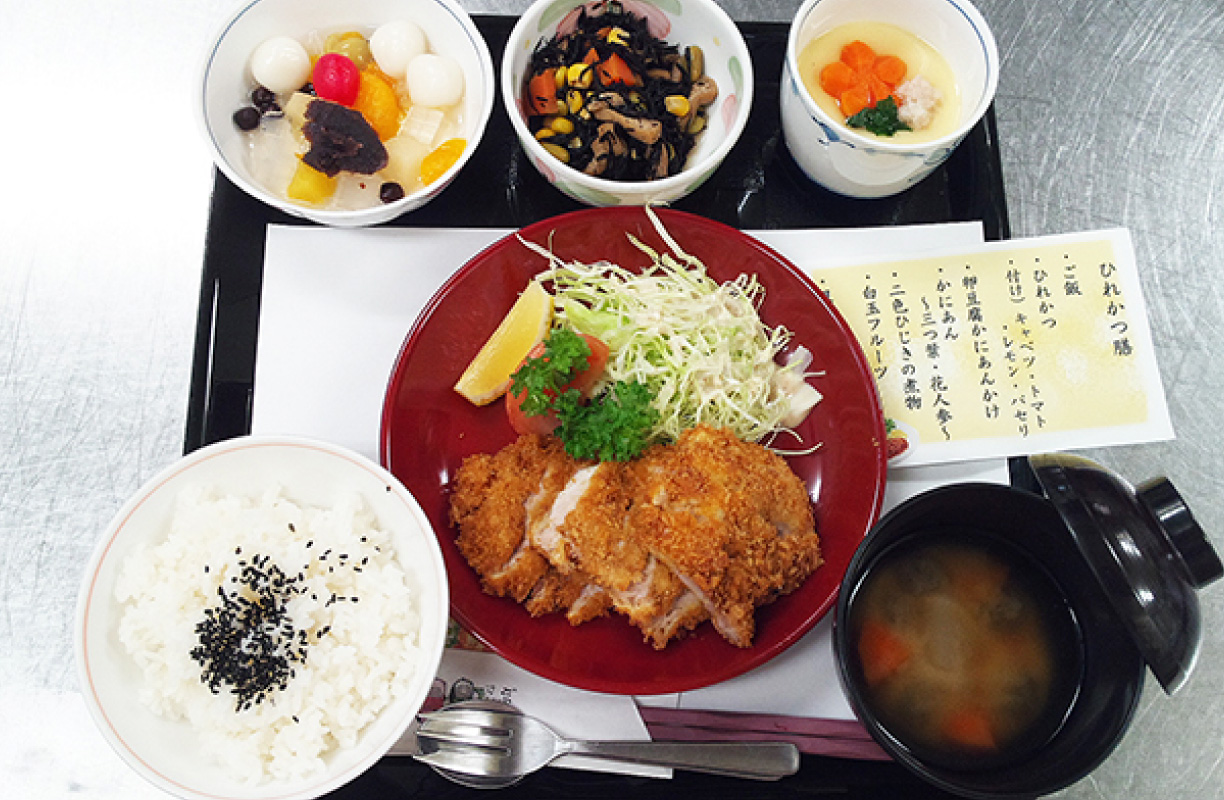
x=698 y=345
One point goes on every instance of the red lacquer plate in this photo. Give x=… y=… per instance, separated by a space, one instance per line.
x=428 y=429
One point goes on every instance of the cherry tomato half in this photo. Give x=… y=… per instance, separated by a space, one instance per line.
x=584 y=382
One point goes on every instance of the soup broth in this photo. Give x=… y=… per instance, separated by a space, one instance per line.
x=921 y=59
x=968 y=652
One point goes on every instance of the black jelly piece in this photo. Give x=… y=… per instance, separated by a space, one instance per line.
x=341 y=140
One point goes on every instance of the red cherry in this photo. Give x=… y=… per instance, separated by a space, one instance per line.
x=336 y=78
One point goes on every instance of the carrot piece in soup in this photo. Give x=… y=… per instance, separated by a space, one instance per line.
x=890 y=69
x=881 y=651
x=859 y=56
x=983 y=583
x=970 y=728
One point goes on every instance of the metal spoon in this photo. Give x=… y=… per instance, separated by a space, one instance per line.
x=489 y=747
x=408 y=745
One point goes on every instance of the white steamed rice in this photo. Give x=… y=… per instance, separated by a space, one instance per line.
x=364 y=658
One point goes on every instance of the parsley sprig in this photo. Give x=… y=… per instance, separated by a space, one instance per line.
x=614 y=425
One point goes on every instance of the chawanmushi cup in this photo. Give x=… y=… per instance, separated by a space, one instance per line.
x=863 y=165
x=1125 y=565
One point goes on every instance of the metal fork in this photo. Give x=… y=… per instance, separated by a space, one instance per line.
x=504 y=743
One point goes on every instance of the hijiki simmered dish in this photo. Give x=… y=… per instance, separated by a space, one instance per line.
x=637 y=483
x=278 y=630
x=609 y=98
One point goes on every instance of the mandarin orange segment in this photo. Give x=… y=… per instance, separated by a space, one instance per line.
x=434 y=165
x=377 y=102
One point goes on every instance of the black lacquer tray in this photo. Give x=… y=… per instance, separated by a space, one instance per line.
x=759 y=186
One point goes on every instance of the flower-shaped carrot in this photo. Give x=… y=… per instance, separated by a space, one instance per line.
x=861 y=78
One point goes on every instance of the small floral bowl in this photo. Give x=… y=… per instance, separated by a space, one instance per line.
x=862 y=165
x=684 y=23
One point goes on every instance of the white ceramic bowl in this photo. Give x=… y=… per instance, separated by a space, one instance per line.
x=167 y=752
x=861 y=165
x=226 y=82
x=684 y=23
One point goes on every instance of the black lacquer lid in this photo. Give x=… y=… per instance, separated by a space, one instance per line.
x=1147 y=551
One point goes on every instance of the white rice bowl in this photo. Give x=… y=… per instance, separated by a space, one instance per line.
x=361 y=668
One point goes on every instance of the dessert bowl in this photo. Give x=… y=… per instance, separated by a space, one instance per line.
x=226 y=82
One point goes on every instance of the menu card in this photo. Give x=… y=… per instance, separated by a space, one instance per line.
x=1007 y=348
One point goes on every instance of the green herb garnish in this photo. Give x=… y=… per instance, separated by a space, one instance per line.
x=544 y=378
x=613 y=426
x=882 y=119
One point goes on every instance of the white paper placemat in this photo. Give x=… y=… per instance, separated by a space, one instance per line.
x=335 y=310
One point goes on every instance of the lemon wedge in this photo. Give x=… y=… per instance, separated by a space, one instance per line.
x=524 y=326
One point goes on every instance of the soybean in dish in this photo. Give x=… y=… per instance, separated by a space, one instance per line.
x=967 y=651
x=609 y=98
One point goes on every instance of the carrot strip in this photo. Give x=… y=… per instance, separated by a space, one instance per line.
x=616 y=70
x=542 y=92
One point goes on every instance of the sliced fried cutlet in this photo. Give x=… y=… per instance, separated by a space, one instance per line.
x=490 y=501
x=574 y=594
x=730 y=519
x=587 y=534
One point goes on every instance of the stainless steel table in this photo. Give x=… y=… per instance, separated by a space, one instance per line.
x=1108 y=113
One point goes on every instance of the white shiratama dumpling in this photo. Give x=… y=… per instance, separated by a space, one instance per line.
x=395 y=44
x=281 y=64
x=435 y=80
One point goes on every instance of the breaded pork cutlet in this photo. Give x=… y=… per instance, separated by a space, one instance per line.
x=493 y=498
x=589 y=533
x=707 y=528
x=730 y=519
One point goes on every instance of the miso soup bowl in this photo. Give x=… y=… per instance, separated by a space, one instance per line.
x=866 y=166
x=1112 y=667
